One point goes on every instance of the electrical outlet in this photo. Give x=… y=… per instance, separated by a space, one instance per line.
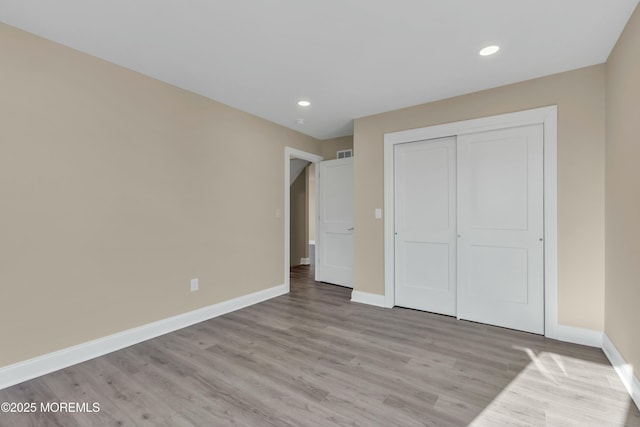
x=194 y=285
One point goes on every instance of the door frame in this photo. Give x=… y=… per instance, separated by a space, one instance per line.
x=548 y=117
x=292 y=153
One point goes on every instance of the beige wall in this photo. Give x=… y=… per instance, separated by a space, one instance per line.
x=330 y=146
x=116 y=190
x=580 y=98
x=623 y=194
x=299 y=219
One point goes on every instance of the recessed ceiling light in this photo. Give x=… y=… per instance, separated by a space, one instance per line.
x=489 y=50
x=304 y=103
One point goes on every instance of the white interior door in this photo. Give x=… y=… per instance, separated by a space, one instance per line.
x=425 y=225
x=500 y=228
x=334 y=234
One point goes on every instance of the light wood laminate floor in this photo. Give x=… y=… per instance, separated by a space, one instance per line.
x=313 y=358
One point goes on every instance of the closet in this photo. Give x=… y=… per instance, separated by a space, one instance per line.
x=468 y=226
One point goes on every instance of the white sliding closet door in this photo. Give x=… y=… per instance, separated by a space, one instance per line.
x=500 y=228
x=425 y=225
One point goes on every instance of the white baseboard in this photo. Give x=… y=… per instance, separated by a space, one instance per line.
x=623 y=369
x=580 y=336
x=367 y=298
x=32 y=368
x=305 y=261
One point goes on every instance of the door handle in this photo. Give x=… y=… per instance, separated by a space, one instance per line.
x=350 y=229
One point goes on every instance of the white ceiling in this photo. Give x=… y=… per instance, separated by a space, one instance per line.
x=350 y=58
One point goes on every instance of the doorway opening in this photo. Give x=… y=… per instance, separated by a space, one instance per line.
x=299 y=209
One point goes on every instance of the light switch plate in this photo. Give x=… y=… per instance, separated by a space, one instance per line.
x=378 y=213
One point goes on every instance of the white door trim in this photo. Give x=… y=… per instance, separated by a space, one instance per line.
x=292 y=153
x=548 y=117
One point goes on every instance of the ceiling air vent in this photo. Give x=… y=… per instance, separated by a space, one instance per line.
x=343 y=154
